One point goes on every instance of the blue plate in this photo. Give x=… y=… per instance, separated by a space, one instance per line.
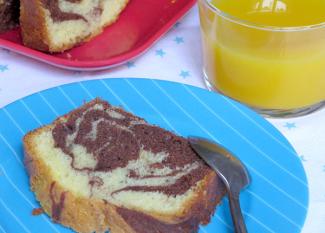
x=276 y=201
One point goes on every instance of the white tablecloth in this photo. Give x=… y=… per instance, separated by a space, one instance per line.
x=176 y=57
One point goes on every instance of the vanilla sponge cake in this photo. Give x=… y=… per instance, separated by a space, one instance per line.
x=101 y=168
x=58 y=25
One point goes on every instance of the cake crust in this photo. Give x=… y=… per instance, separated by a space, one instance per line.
x=32 y=24
x=87 y=215
x=81 y=214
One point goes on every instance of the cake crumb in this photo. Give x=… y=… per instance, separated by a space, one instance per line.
x=37 y=211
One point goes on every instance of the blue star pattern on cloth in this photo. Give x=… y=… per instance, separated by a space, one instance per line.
x=290 y=125
x=184 y=74
x=130 y=64
x=160 y=53
x=179 y=40
x=3 y=68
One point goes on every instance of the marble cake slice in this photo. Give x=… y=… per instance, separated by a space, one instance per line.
x=101 y=168
x=9 y=14
x=58 y=25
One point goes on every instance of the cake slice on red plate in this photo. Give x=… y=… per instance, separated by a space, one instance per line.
x=58 y=25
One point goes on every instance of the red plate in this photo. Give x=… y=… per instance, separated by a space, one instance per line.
x=141 y=24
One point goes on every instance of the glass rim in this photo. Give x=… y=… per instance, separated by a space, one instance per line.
x=250 y=24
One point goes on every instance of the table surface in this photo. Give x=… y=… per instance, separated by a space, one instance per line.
x=177 y=57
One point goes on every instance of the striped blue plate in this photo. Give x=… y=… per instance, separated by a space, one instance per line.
x=276 y=201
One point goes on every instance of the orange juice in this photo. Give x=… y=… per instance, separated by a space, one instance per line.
x=282 y=13
x=265 y=53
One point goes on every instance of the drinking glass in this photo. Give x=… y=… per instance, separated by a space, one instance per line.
x=278 y=71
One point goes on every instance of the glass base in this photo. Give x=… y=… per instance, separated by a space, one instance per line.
x=274 y=113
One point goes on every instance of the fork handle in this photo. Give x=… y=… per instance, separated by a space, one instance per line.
x=236 y=213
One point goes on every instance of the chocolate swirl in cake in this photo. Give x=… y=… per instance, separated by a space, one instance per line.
x=152 y=158
x=58 y=15
x=57 y=206
x=142 y=223
x=9 y=14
